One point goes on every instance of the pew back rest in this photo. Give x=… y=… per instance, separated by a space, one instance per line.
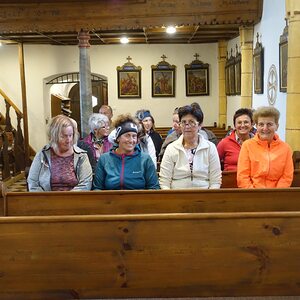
x=162 y=201
x=158 y=255
x=229 y=179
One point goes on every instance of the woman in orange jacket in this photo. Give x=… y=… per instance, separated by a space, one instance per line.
x=265 y=161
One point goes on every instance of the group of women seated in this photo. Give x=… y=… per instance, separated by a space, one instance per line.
x=126 y=159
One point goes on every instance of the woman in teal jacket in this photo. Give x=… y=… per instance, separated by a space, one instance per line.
x=125 y=166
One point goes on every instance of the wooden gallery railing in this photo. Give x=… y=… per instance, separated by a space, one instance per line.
x=12 y=150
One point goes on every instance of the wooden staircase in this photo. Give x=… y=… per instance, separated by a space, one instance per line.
x=12 y=147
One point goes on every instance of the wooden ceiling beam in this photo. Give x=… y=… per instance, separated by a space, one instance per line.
x=45 y=16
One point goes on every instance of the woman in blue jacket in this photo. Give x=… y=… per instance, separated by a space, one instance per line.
x=125 y=167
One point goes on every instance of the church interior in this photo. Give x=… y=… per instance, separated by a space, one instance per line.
x=71 y=57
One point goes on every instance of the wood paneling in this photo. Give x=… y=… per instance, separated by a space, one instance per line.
x=159 y=255
x=147 y=202
x=57 y=22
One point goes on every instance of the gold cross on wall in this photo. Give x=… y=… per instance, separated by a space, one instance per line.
x=163 y=57
x=129 y=59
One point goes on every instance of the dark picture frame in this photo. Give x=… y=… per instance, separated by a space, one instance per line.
x=129 y=84
x=163 y=79
x=129 y=81
x=283 y=60
x=230 y=76
x=238 y=73
x=258 y=68
x=197 y=79
x=227 y=89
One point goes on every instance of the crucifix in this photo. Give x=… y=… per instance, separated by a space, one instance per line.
x=163 y=57
x=196 y=55
x=129 y=58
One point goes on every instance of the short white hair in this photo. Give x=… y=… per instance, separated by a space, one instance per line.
x=97 y=120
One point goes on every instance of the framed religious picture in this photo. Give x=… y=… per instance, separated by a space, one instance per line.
x=230 y=75
x=237 y=72
x=197 y=78
x=258 y=67
x=129 y=81
x=283 y=60
x=227 y=90
x=163 y=79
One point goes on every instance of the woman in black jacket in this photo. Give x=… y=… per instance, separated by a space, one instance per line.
x=153 y=138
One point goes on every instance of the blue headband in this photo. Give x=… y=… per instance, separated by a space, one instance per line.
x=126 y=127
x=143 y=114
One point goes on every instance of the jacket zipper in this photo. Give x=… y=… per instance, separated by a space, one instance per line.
x=122 y=172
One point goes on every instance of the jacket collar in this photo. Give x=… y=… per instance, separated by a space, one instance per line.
x=203 y=143
x=136 y=151
x=276 y=140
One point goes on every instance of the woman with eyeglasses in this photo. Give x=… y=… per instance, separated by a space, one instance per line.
x=191 y=161
x=229 y=148
x=96 y=143
x=265 y=161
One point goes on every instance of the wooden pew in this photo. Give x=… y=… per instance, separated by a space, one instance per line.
x=155 y=255
x=229 y=179
x=147 y=202
x=219 y=132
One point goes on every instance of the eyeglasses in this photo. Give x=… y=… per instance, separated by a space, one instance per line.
x=105 y=126
x=191 y=123
x=262 y=125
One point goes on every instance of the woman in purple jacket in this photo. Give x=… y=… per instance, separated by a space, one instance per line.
x=96 y=143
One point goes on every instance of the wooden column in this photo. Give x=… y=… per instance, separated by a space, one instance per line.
x=86 y=106
x=222 y=51
x=293 y=86
x=246 y=36
x=24 y=104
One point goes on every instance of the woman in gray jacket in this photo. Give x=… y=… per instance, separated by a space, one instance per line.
x=61 y=165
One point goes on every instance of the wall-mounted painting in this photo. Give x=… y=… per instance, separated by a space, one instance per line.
x=237 y=71
x=197 y=78
x=283 y=60
x=129 y=80
x=163 y=79
x=230 y=75
x=258 y=67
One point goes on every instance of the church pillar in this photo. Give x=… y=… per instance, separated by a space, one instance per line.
x=86 y=107
x=246 y=38
x=222 y=52
x=293 y=86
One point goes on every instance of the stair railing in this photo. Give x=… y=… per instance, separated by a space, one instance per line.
x=12 y=148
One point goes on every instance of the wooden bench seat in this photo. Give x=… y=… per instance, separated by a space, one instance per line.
x=154 y=255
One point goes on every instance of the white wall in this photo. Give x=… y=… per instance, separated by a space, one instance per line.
x=270 y=28
x=44 y=61
x=104 y=60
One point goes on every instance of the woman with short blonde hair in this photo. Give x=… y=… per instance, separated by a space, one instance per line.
x=265 y=161
x=61 y=165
